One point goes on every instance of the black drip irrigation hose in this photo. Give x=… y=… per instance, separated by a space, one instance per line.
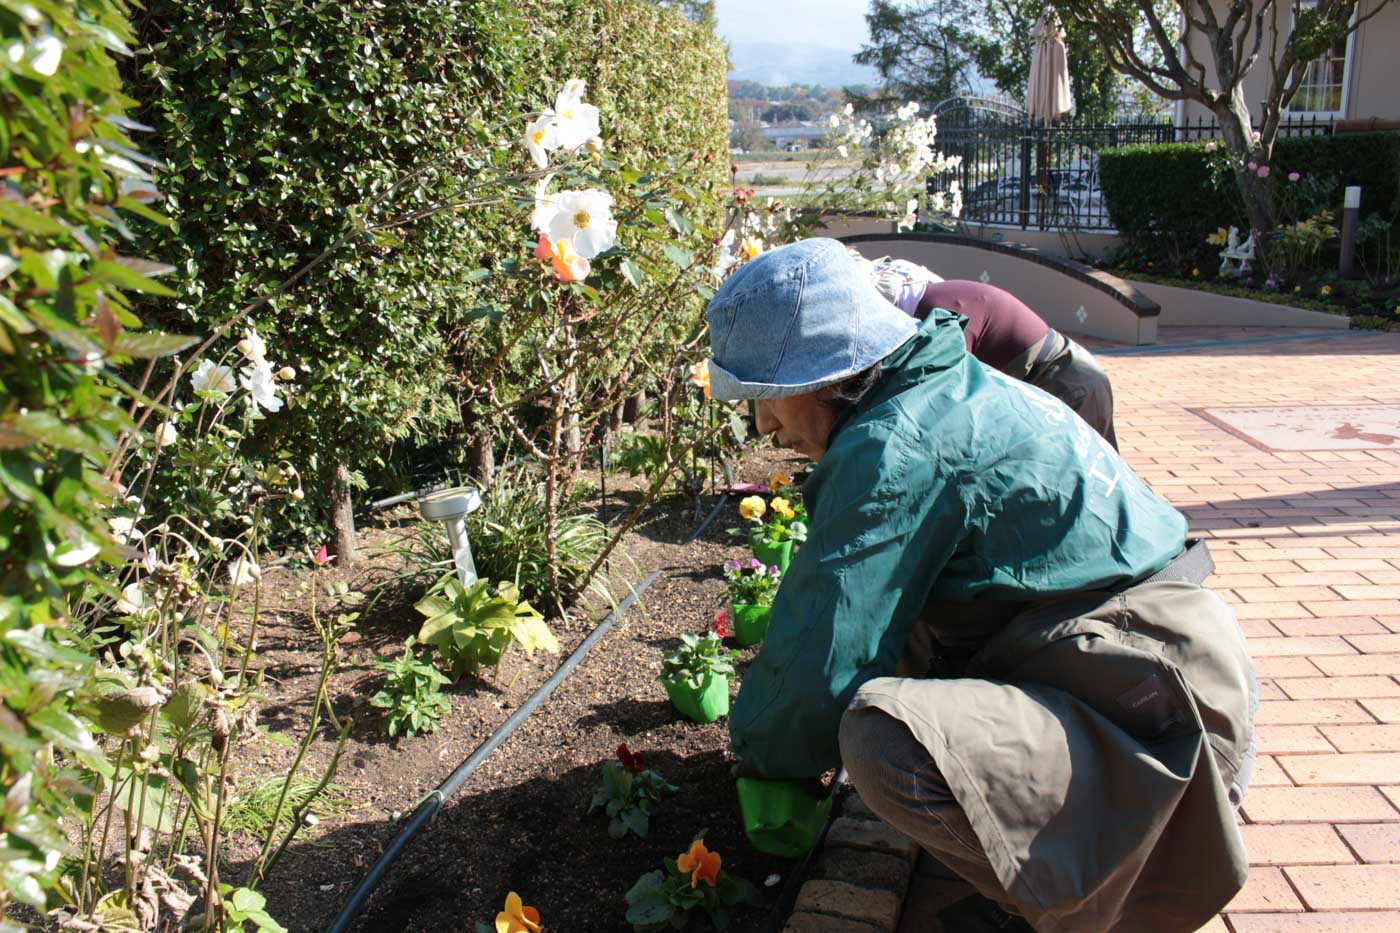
x=433 y=803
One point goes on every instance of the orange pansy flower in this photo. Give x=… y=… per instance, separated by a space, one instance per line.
x=701 y=864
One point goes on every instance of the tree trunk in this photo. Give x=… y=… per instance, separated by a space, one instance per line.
x=481 y=457
x=342 y=519
x=1235 y=126
x=633 y=409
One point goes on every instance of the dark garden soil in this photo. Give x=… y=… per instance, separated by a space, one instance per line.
x=520 y=821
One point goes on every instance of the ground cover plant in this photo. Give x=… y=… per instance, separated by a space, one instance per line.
x=412 y=694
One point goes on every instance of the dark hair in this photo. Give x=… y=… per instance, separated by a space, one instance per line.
x=847 y=393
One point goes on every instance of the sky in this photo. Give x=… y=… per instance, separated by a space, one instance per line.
x=838 y=24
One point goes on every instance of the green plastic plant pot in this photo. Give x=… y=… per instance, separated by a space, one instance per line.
x=774 y=555
x=707 y=704
x=750 y=622
x=780 y=818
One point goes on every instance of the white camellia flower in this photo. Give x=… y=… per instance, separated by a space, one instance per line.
x=545 y=208
x=540 y=138
x=134 y=600
x=124 y=529
x=261 y=383
x=44 y=54
x=216 y=380
x=584 y=218
x=252 y=347
x=574 y=121
x=243 y=572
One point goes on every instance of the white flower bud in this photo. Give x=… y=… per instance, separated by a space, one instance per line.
x=166 y=434
x=287 y=372
x=298 y=494
x=595 y=144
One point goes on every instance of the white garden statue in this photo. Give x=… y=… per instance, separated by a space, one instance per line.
x=1237 y=258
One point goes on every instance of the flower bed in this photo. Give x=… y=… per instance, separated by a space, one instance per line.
x=522 y=823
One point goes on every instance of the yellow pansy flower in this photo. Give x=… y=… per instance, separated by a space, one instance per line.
x=517 y=918
x=752 y=508
x=783 y=508
x=779 y=480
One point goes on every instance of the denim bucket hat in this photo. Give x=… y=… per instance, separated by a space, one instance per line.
x=796 y=319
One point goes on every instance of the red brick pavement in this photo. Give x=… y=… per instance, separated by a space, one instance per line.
x=1307 y=547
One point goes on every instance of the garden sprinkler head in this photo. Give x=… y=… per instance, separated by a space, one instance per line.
x=451 y=507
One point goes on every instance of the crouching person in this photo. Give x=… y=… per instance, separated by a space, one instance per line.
x=994 y=624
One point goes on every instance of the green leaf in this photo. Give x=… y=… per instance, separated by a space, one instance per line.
x=681 y=258
x=13 y=318
x=632 y=273
x=115 y=273
x=679 y=222
x=150 y=346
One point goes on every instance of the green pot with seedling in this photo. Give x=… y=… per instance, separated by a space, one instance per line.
x=696 y=676
x=751 y=586
x=776 y=527
x=780 y=817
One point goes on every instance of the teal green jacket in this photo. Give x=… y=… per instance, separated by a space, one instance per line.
x=949 y=482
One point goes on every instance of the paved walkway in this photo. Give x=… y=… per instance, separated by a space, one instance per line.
x=1307 y=547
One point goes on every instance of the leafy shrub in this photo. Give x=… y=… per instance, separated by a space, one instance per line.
x=472 y=628
x=1166 y=198
x=698 y=657
x=273 y=128
x=68 y=339
x=509 y=537
x=1371 y=160
x=412 y=694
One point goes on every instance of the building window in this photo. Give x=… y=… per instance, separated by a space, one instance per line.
x=1325 y=81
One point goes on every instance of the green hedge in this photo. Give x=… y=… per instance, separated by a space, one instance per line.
x=1371 y=160
x=273 y=118
x=1164 y=199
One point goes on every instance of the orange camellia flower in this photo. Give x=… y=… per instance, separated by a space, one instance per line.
x=701 y=863
x=517 y=918
x=568 y=265
x=544 y=250
x=700 y=375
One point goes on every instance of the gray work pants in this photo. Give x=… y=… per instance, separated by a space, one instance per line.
x=1069 y=372
x=899 y=781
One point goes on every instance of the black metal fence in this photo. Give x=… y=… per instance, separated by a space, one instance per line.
x=1046 y=177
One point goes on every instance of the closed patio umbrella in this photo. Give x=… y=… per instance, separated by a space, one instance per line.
x=1048 y=96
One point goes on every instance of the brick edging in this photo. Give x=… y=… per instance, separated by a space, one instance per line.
x=1121 y=290
x=859 y=879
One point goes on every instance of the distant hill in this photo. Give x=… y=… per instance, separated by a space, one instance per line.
x=778 y=63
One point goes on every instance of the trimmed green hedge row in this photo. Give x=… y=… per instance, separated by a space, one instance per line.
x=272 y=123
x=1164 y=199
